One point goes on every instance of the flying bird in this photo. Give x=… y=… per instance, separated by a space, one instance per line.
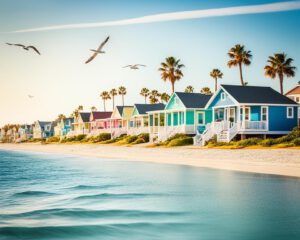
x=135 y=66
x=25 y=47
x=30 y=96
x=98 y=51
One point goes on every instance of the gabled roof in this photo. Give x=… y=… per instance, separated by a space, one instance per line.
x=85 y=116
x=257 y=95
x=44 y=123
x=144 y=108
x=193 y=100
x=121 y=108
x=295 y=90
x=101 y=115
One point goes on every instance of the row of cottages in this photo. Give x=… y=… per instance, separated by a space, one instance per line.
x=184 y=113
x=248 y=110
x=43 y=129
x=63 y=127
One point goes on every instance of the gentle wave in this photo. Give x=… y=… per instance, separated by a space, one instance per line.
x=142 y=229
x=87 y=213
x=91 y=187
x=115 y=196
x=33 y=194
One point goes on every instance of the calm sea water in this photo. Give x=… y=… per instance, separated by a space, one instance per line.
x=64 y=197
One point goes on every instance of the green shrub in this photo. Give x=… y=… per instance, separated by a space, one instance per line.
x=101 y=137
x=296 y=141
x=138 y=141
x=144 y=136
x=80 y=137
x=181 y=141
x=248 y=142
x=268 y=142
x=53 y=139
x=131 y=139
x=113 y=140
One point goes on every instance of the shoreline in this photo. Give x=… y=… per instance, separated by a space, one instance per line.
x=283 y=162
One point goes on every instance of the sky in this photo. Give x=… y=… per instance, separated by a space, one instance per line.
x=200 y=37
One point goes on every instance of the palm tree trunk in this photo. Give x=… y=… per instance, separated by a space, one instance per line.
x=281 y=83
x=123 y=100
x=173 y=87
x=113 y=98
x=216 y=84
x=241 y=74
x=145 y=99
x=104 y=105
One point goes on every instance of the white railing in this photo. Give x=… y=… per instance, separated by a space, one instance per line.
x=254 y=125
x=137 y=130
x=208 y=133
x=117 y=132
x=232 y=132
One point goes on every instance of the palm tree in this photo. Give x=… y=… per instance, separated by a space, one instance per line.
x=93 y=109
x=113 y=93
x=215 y=74
x=239 y=56
x=164 y=97
x=280 y=65
x=206 y=90
x=80 y=108
x=145 y=93
x=122 y=91
x=60 y=117
x=171 y=70
x=105 y=96
x=189 y=89
x=154 y=95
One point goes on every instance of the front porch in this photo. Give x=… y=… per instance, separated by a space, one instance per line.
x=138 y=125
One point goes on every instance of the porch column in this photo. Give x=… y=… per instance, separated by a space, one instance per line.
x=172 y=119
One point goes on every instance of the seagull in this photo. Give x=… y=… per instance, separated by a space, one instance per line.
x=30 y=96
x=135 y=66
x=25 y=47
x=98 y=51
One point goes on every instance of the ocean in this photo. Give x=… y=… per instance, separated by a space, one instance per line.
x=46 y=196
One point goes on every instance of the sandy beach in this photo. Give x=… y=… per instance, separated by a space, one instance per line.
x=285 y=162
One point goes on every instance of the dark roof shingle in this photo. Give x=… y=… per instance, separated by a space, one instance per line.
x=144 y=108
x=255 y=94
x=101 y=115
x=193 y=100
x=85 y=116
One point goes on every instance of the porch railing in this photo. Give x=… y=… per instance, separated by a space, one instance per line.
x=254 y=125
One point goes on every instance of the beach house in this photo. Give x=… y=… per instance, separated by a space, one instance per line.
x=119 y=120
x=99 y=122
x=64 y=126
x=43 y=129
x=248 y=111
x=81 y=124
x=294 y=94
x=184 y=113
x=25 y=132
x=139 y=122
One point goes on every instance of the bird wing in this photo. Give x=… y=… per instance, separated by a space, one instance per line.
x=142 y=65
x=91 y=58
x=102 y=44
x=34 y=48
x=127 y=66
x=9 y=44
x=19 y=45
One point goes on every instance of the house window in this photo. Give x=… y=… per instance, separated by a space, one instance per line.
x=264 y=113
x=200 y=118
x=223 y=96
x=290 y=112
x=298 y=99
x=247 y=114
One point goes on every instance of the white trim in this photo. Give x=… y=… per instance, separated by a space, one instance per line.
x=223 y=96
x=249 y=113
x=287 y=112
x=269 y=104
x=267 y=113
x=216 y=94
x=197 y=118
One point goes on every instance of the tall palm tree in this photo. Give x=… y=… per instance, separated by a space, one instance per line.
x=189 y=89
x=239 y=56
x=60 y=117
x=215 y=74
x=164 y=97
x=113 y=93
x=80 y=108
x=105 y=96
x=122 y=91
x=154 y=95
x=171 y=70
x=280 y=65
x=93 y=109
x=145 y=93
x=206 y=90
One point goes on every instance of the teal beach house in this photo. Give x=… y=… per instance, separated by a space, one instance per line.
x=184 y=113
x=245 y=111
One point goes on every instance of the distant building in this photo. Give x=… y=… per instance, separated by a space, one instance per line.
x=294 y=94
x=43 y=129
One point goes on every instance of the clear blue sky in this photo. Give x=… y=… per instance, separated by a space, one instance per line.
x=60 y=81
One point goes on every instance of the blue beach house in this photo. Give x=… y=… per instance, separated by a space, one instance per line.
x=249 y=111
x=184 y=113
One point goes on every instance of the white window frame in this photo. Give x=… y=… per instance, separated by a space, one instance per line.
x=223 y=96
x=249 y=113
x=203 y=118
x=267 y=114
x=287 y=112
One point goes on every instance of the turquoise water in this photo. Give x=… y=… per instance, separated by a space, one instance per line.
x=46 y=196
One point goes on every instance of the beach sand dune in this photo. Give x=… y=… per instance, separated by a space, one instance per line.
x=285 y=162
